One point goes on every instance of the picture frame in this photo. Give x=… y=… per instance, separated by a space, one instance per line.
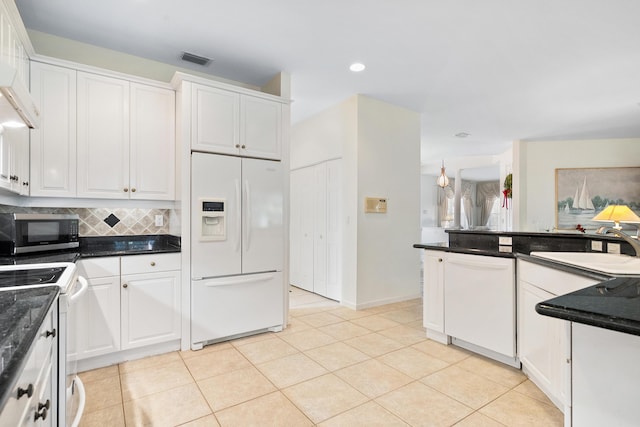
x=581 y=193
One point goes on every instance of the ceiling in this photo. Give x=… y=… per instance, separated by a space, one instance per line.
x=499 y=70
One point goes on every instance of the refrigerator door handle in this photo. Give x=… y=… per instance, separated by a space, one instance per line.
x=238 y=280
x=247 y=215
x=238 y=215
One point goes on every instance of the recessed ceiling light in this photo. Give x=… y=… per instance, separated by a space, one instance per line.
x=462 y=134
x=356 y=67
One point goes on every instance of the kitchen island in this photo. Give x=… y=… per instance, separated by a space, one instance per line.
x=591 y=372
x=605 y=343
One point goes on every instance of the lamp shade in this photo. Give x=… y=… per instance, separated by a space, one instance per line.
x=617 y=214
x=442 y=180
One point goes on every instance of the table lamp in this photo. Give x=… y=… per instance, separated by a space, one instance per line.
x=617 y=214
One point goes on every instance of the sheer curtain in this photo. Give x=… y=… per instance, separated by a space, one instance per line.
x=466 y=203
x=486 y=195
x=445 y=204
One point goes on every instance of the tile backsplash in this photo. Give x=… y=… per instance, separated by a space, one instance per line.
x=108 y=221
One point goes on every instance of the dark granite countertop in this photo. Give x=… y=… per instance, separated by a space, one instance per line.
x=613 y=304
x=444 y=246
x=102 y=246
x=21 y=315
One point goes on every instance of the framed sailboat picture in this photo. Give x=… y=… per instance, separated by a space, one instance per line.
x=582 y=193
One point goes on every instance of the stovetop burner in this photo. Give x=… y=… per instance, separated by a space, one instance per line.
x=34 y=276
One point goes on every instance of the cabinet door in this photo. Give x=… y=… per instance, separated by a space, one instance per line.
x=97 y=325
x=301 y=248
x=5 y=161
x=320 y=229
x=103 y=137
x=334 y=229
x=215 y=120
x=20 y=161
x=53 y=144
x=152 y=145
x=433 y=302
x=260 y=132
x=540 y=345
x=150 y=308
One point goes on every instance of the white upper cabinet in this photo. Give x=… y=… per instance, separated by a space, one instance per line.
x=152 y=150
x=126 y=139
x=14 y=160
x=216 y=118
x=227 y=122
x=53 y=144
x=260 y=121
x=103 y=136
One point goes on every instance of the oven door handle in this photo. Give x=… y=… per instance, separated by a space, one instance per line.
x=82 y=397
x=84 y=285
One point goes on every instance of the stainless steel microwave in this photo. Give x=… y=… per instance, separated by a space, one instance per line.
x=22 y=233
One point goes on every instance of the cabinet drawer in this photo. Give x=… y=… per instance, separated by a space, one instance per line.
x=99 y=267
x=135 y=264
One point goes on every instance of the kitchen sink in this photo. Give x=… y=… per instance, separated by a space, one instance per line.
x=598 y=261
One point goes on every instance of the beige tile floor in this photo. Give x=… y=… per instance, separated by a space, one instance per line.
x=331 y=367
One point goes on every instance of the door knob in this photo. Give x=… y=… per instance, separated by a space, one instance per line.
x=124 y=285
x=153 y=264
x=126 y=189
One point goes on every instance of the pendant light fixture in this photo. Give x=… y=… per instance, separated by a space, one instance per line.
x=442 y=180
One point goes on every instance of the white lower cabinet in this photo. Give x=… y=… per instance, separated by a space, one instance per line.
x=32 y=401
x=606 y=374
x=150 y=308
x=544 y=343
x=433 y=302
x=132 y=301
x=98 y=311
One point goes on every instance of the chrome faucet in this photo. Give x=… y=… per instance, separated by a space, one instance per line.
x=619 y=233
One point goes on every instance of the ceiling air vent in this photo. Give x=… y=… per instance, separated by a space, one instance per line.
x=190 y=57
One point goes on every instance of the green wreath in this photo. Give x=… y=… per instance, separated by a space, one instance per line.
x=507 y=186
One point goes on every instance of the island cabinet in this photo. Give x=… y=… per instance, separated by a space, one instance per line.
x=544 y=343
x=606 y=377
x=132 y=302
x=433 y=304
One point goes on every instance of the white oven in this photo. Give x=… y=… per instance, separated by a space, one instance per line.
x=70 y=390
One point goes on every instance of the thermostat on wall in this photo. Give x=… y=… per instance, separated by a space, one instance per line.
x=375 y=205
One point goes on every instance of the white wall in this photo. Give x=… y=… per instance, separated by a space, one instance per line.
x=538 y=160
x=388 y=166
x=324 y=136
x=380 y=149
x=83 y=53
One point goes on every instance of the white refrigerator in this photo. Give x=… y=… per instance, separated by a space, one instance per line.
x=237 y=246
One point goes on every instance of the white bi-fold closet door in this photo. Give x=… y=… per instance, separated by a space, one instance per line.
x=316 y=229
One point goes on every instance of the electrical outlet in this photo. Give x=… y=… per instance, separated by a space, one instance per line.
x=159 y=221
x=596 y=245
x=613 y=248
